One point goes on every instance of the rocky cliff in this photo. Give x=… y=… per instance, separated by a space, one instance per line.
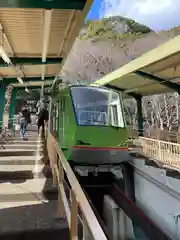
x=105 y=45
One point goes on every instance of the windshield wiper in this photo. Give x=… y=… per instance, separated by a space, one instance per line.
x=114 y=126
x=95 y=121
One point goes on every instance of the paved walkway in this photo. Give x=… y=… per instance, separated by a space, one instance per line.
x=27 y=198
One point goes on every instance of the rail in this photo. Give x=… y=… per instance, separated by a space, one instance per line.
x=165 y=152
x=79 y=202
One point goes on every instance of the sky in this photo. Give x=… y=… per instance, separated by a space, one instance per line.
x=156 y=14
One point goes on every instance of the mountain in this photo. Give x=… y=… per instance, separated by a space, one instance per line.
x=105 y=45
x=115 y=28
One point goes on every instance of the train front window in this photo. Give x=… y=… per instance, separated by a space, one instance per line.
x=97 y=106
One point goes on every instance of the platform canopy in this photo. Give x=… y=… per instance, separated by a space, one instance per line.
x=155 y=72
x=36 y=37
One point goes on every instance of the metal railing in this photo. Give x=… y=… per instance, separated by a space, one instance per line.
x=163 y=146
x=78 y=208
x=165 y=152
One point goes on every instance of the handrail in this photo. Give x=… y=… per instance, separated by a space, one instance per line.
x=77 y=195
x=167 y=153
x=161 y=141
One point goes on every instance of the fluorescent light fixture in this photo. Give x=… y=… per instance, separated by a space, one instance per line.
x=26 y=89
x=4 y=55
x=20 y=80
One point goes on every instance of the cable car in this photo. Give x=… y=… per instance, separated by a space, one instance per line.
x=89 y=124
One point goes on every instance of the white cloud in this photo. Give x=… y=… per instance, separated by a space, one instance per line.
x=157 y=14
x=151 y=6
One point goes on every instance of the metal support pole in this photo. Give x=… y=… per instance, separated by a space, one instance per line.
x=42 y=92
x=42 y=97
x=139 y=115
x=12 y=107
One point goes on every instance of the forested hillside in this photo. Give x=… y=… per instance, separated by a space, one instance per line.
x=105 y=45
x=115 y=28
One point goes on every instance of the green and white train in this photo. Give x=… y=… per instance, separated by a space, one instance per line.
x=90 y=125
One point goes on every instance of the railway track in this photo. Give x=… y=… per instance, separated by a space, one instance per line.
x=136 y=215
x=103 y=184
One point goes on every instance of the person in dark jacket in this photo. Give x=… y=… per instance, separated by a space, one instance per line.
x=27 y=116
x=42 y=117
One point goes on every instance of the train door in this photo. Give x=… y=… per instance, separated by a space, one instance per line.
x=68 y=122
x=65 y=121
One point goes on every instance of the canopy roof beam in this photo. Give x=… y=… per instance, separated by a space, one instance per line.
x=166 y=83
x=45 y=40
x=31 y=88
x=30 y=61
x=5 y=56
x=4 y=37
x=57 y=4
x=26 y=79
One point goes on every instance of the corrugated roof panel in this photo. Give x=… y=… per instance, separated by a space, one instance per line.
x=23 y=28
x=23 y=36
x=33 y=70
x=61 y=24
x=7 y=72
x=39 y=83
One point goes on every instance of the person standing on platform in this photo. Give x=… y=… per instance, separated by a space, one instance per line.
x=27 y=116
x=22 y=124
x=42 y=117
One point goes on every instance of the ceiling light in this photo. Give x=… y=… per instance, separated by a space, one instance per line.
x=26 y=89
x=4 y=55
x=20 y=80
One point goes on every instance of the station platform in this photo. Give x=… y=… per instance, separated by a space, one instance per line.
x=28 y=201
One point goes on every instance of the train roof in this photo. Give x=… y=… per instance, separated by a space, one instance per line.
x=79 y=85
x=83 y=85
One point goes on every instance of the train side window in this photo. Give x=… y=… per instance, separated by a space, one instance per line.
x=116 y=114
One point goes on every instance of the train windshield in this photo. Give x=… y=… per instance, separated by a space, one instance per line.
x=97 y=106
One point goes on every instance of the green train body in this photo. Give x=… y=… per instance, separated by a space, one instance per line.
x=86 y=132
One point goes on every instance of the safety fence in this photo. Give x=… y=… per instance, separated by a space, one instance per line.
x=71 y=196
x=165 y=152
